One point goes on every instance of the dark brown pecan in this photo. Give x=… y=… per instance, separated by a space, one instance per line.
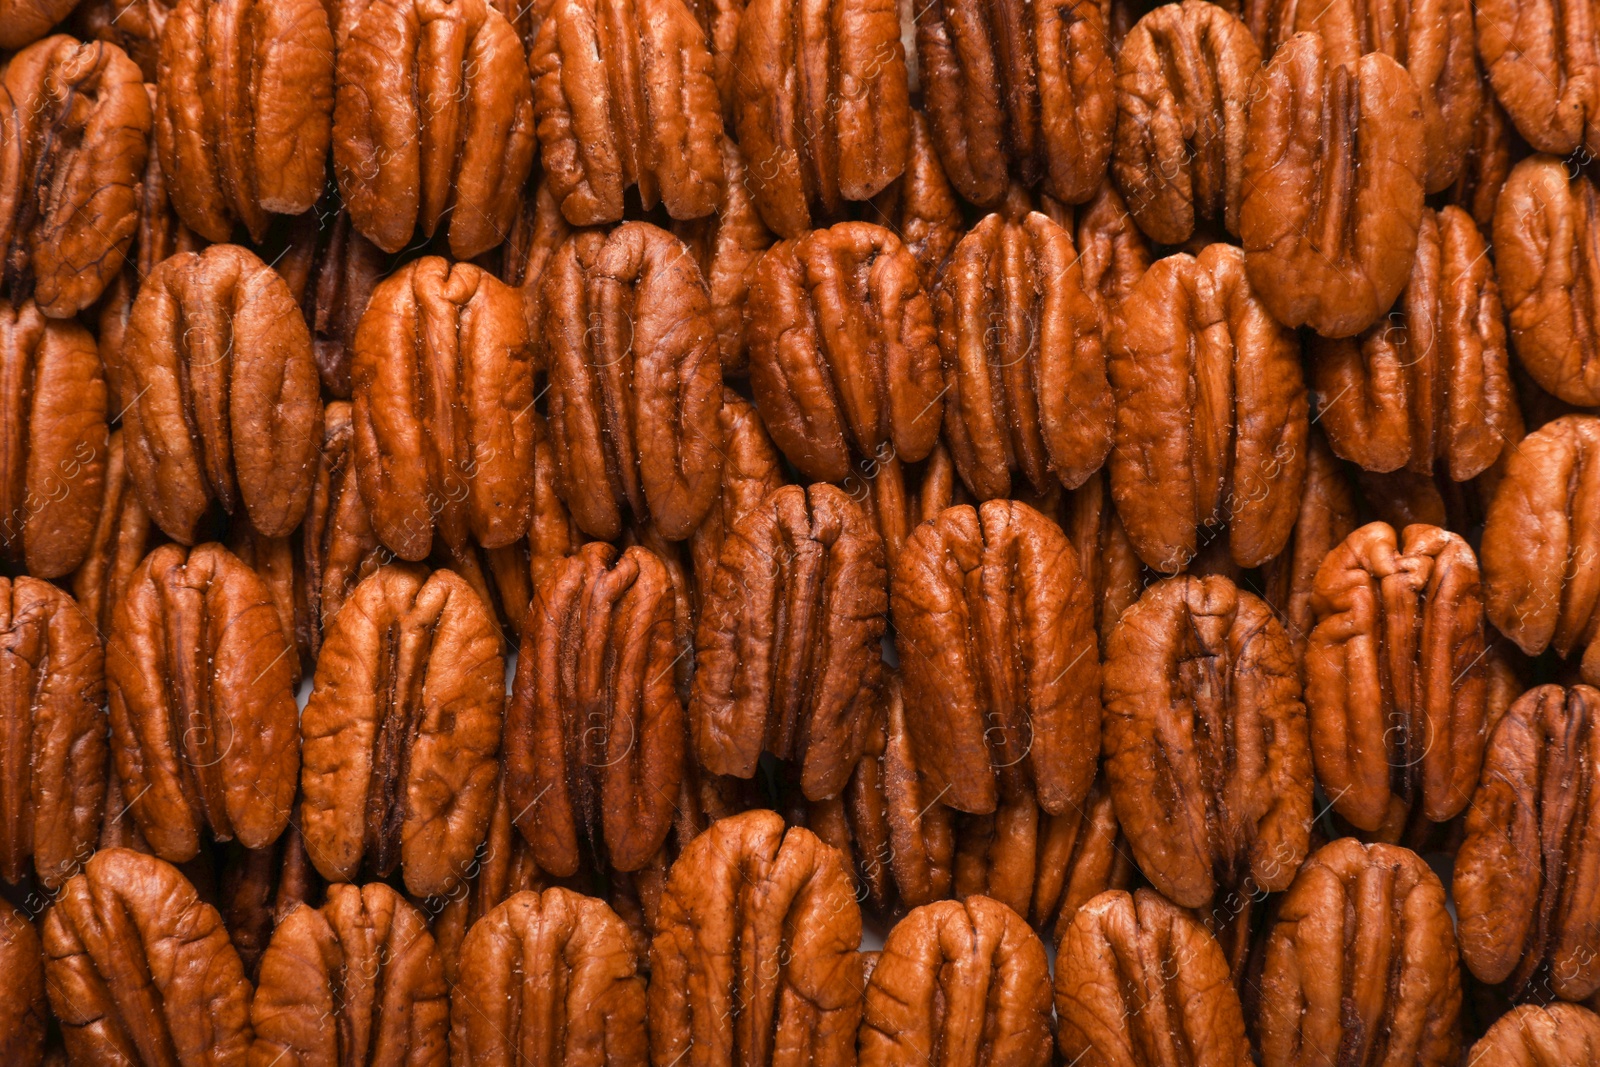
x=1140 y=983
x=1327 y=516
x=337 y=541
x=356 y=981
x=74 y=136
x=443 y=386
x=1525 y=873
x=402 y=732
x=623 y=97
x=756 y=957
x=1543 y=62
x=1024 y=360
x=432 y=120
x=822 y=106
x=1018 y=89
x=1211 y=413
x=139 y=969
x=995 y=631
x=635 y=381
x=751 y=471
x=1106 y=558
x=787 y=655
x=23 y=1011
x=1184 y=78
x=1361 y=964
x=134 y=26
x=920 y=206
x=1541 y=543
x=52 y=732
x=1334 y=162
x=1547 y=258
x=959 y=983
x=224 y=406
x=1494 y=148
x=1112 y=251
x=1531 y=1036
x=899 y=497
x=203 y=716
x=332 y=270
x=534 y=239
x=844 y=358
x=257 y=888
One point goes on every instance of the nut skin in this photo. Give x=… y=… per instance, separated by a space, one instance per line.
x=402 y=732
x=1526 y=869
x=1534 y=1036
x=228 y=412
x=1333 y=172
x=751 y=471
x=920 y=206
x=755 y=959
x=1361 y=964
x=623 y=97
x=997 y=644
x=74 y=136
x=24 y=1012
x=404 y=161
x=635 y=382
x=1024 y=359
x=1211 y=413
x=365 y=960
x=787 y=656
x=1543 y=63
x=1139 y=983
x=139 y=969
x=204 y=730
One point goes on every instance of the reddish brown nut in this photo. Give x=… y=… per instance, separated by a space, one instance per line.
x=1024 y=360
x=822 y=106
x=1361 y=964
x=751 y=471
x=1106 y=558
x=23 y=22
x=1541 y=544
x=224 y=409
x=1543 y=63
x=787 y=656
x=1334 y=162
x=257 y=888
x=332 y=270
x=74 y=136
x=844 y=359
x=1545 y=229
x=132 y=25
x=203 y=716
x=1184 y=79
x=1140 y=982
x=1211 y=413
x=1495 y=147
x=919 y=205
x=402 y=732
x=1327 y=516
x=1531 y=1036
x=995 y=630
x=139 y=969
x=635 y=381
x=357 y=980
x=337 y=542
x=1112 y=251
x=24 y=1014
x=756 y=959
x=443 y=397
x=1430 y=382
x=432 y=120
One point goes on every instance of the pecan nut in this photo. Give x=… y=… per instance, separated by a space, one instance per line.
x=751 y=471
x=257 y=888
x=135 y=26
x=1543 y=63
x=1106 y=558
x=332 y=270
x=24 y=1013
x=1327 y=516
x=123 y=536
x=920 y=206
x=1532 y=1036
x=1113 y=252
x=23 y=22
x=337 y=542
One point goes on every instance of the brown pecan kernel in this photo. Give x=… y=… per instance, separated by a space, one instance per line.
x=132 y=25
x=1327 y=516
x=123 y=536
x=751 y=471
x=23 y=22
x=919 y=205
x=332 y=270
x=1543 y=62
x=24 y=1012
x=257 y=888
x=1531 y=1036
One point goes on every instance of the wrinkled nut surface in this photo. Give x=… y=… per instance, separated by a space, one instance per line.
x=23 y=22
x=442 y=414
x=1018 y=90
x=787 y=656
x=227 y=406
x=1534 y=1036
x=258 y=888
x=1546 y=226
x=630 y=348
x=1184 y=78
x=53 y=441
x=1430 y=383
x=1113 y=252
x=1333 y=170
x=139 y=969
x=356 y=981
x=595 y=731
x=1024 y=359
x=1205 y=740
x=821 y=105
x=1141 y=983
x=123 y=536
x=333 y=270
x=337 y=542
x=1543 y=63
x=920 y=206
x=244 y=111
x=24 y=1012
x=755 y=957
x=1327 y=516
x=204 y=729
x=1541 y=543
x=132 y=25
x=402 y=732
x=432 y=123
x=1394 y=670
x=751 y=471
x=74 y=136
x=1532 y=849
x=959 y=984
x=548 y=979
x=1361 y=964
x=1211 y=413
x=623 y=96
x=997 y=644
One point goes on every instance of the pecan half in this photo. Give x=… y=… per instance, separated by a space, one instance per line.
x=338 y=545
x=23 y=22
x=134 y=26
x=919 y=206
x=1327 y=516
x=1533 y=1036
x=1112 y=251
x=1106 y=558
x=1543 y=63
x=1495 y=148
x=24 y=1013
x=257 y=888
x=751 y=471
x=332 y=270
